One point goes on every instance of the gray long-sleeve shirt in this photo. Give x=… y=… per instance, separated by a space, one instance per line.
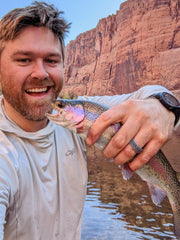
x=43 y=177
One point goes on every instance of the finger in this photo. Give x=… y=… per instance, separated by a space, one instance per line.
x=122 y=138
x=106 y=119
x=135 y=146
x=149 y=151
x=119 y=113
x=128 y=152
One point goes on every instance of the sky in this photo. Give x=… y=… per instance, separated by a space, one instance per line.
x=83 y=14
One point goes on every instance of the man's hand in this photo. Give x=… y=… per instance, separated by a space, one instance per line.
x=147 y=121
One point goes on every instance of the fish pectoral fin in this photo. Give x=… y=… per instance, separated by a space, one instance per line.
x=126 y=171
x=157 y=195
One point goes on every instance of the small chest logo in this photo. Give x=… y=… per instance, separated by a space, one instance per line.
x=70 y=152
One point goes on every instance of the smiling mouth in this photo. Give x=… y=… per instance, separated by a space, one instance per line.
x=37 y=90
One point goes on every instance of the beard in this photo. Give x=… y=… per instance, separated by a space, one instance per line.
x=34 y=110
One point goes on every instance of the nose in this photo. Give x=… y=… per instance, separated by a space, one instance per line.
x=39 y=70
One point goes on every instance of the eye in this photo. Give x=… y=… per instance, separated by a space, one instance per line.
x=23 y=60
x=52 y=61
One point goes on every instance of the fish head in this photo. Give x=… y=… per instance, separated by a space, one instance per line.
x=67 y=113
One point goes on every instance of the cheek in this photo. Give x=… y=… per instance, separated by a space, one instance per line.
x=4 y=75
x=11 y=79
x=7 y=69
x=58 y=77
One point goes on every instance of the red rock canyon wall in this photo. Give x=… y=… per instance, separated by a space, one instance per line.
x=139 y=45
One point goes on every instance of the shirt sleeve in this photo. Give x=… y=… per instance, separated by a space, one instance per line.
x=8 y=185
x=142 y=93
x=2 y=220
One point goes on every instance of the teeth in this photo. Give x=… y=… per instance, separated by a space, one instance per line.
x=36 y=90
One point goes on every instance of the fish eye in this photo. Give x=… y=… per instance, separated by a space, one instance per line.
x=61 y=104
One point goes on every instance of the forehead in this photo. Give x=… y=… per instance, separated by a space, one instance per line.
x=35 y=39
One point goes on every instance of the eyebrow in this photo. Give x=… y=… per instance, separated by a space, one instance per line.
x=29 y=53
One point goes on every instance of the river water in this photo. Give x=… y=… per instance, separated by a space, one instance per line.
x=116 y=209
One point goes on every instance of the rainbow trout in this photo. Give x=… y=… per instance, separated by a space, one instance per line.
x=79 y=115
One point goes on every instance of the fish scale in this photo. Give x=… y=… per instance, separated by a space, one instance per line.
x=161 y=178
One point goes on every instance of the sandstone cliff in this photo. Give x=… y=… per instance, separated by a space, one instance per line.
x=139 y=45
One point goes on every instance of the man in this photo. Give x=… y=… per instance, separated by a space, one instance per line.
x=43 y=173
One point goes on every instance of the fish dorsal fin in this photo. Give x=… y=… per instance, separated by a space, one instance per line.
x=157 y=195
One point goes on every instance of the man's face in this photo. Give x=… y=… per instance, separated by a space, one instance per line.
x=31 y=72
